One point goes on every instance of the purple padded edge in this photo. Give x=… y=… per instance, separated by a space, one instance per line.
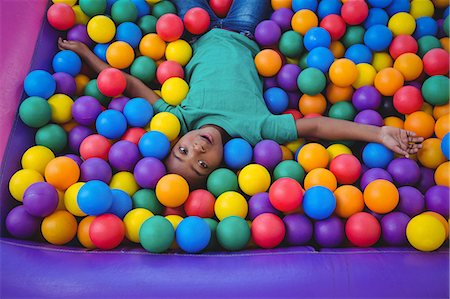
x=31 y=269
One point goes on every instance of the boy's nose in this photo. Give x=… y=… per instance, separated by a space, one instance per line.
x=199 y=148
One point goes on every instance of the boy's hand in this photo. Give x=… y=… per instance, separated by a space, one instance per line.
x=75 y=46
x=400 y=141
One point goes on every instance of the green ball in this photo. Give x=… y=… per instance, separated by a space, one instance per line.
x=213 y=227
x=435 y=90
x=143 y=68
x=342 y=110
x=124 y=11
x=311 y=81
x=92 y=7
x=146 y=199
x=354 y=35
x=302 y=63
x=163 y=7
x=289 y=169
x=156 y=234
x=52 y=136
x=233 y=233
x=446 y=26
x=35 y=112
x=92 y=90
x=291 y=44
x=426 y=43
x=147 y=24
x=222 y=180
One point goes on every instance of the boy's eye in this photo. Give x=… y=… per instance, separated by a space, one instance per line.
x=183 y=150
x=202 y=164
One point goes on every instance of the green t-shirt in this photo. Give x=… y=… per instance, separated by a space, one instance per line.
x=226 y=90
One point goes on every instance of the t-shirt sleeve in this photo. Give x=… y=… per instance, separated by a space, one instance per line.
x=280 y=128
x=162 y=106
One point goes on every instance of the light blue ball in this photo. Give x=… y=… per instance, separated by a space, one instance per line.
x=377 y=16
x=95 y=198
x=39 y=83
x=378 y=38
x=121 y=203
x=193 y=234
x=380 y=3
x=359 y=53
x=111 y=124
x=316 y=37
x=398 y=6
x=276 y=99
x=425 y=26
x=329 y=7
x=376 y=155
x=138 y=112
x=320 y=58
x=142 y=7
x=446 y=11
x=237 y=153
x=154 y=144
x=100 y=51
x=67 y=61
x=130 y=33
x=445 y=146
x=304 y=4
x=318 y=203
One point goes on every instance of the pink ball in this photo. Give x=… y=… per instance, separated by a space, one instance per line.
x=435 y=62
x=346 y=168
x=403 y=44
x=286 y=194
x=61 y=16
x=95 y=146
x=111 y=82
x=134 y=135
x=169 y=27
x=335 y=25
x=363 y=229
x=107 y=231
x=169 y=69
x=196 y=20
x=267 y=230
x=408 y=99
x=220 y=7
x=200 y=203
x=354 y=12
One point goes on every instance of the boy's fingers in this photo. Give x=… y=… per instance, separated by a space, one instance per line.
x=410 y=133
x=401 y=151
x=415 y=139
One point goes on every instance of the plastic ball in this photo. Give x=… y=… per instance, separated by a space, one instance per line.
x=335 y=25
x=353 y=35
x=267 y=230
x=362 y=229
x=148 y=172
x=120 y=55
x=393 y=228
x=410 y=66
x=442 y=126
x=412 y=202
x=402 y=23
x=179 y=51
x=286 y=194
x=337 y=149
x=359 y=53
x=106 y=231
x=343 y=72
x=268 y=62
x=290 y=44
x=421 y=123
x=154 y=144
x=172 y=190
x=130 y=33
x=123 y=155
x=381 y=196
x=349 y=201
x=283 y=18
x=366 y=97
x=381 y=60
x=433 y=92
x=376 y=16
x=35 y=112
x=425 y=26
x=441 y=219
x=437 y=200
x=408 y=99
x=316 y=37
x=146 y=199
x=425 y=233
x=267 y=153
x=85 y=110
x=445 y=146
x=311 y=81
x=388 y=81
x=83 y=232
x=67 y=61
x=174 y=91
x=441 y=176
x=62 y=172
x=200 y=203
x=427 y=43
x=95 y=169
x=152 y=46
x=20 y=224
x=378 y=37
x=222 y=180
x=77 y=135
x=313 y=155
x=196 y=20
x=421 y=8
x=37 y=158
x=320 y=58
x=133 y=221
x=111 y=82
x=320 y=177
x=70 y=199
x=237 y=153
x=124 y=181
x=95 y=146
x=65 y=83
x=346 y=168
x=377 y=155
x=156 y=234
x=52 y=136
x=259 y=204
x=121 y=203
x=92 y=8
x=289 y=169
x=91 y=89
x=100 y=51
x=111 y=124
x=40 y=199
x=138 y=112
x=94 y=198
x=267 y=33
x=366 y=75
x=315 y=104
x=404 y=171
x=303 y=20
x=329 y=232
x=124 y=11
x=169 y=69
x=318 y=202
x=61 y=106
x=166 y=123
x=287 y=80
x=39 y=83
x=233 y=233
x=299 y=229
x=59 y=228
x=61 y=16
x=430 y=155
x=354 y=12
x=143 y=68
x=169 y=27
x=230 y=203
x=193 y=234
x=402 y=44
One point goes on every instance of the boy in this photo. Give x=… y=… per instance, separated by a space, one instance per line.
x=225 y=98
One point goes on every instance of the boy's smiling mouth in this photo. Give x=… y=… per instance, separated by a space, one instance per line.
x=208 y=138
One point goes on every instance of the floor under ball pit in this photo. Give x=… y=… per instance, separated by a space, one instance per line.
x=37 y=269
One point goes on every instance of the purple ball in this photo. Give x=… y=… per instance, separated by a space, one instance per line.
x=77 y=135
x=95 y=169
x=437 y=200
x=76 y=158
x=366 y=97
x=393 y=228
x=374 y=174
x=148 y=172
x=259 y=204
x=85 y=110
x=124 y=155
x=415 y=84
x=118 y=103
x=267 y=153
x=329 y=232
x=426 y=180
x=287 y=77
x=369 y=117
x=441 y=32
x=20 y=224
x=294 y=98
x=267 y=33
x=65 y=83
x=299 y=229
x=79 y=33
x=283 y=18
x=376 y=215
x=404 y=171
x=270 y=82
x=40 y=199
x=411 y=201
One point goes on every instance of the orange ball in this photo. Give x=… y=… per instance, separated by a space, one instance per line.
x=59 y=228
x=312 y=104
x=442 y=174
x=427 y=108
x=120 y=55
x=287 y=154
x=83 y=232
x=388 y=81
x=277 y=4
x=172 y=190
x=268 y=62
x=441 y=219
x=337 y=48
x=152 y=46
x=338 y=94
x=445 y=43
x=320 y=177
x=394 y=121
x=381 y=196
x=62 y=172
x=81 y=81
x=313 y=155
x=421 y=123
x=430 y=155
x=303 y=20
x=442 y=126
x=349 y=201
x=439 y=111
x=410 y=65
x=343 y=72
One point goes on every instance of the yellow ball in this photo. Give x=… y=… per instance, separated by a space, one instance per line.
x=253 y=179
x=366 y=75
x=313 y=155
x=81 y=81
x=293 y=146
x=166 y=123
x=174 y=220
x=179 y=51
x=442 y=174
x=410 y=65
x=230 y=203
x=37 y=158
x=59 y=228
x=70 y=199
x=441 y=220
x=287 y=154
x=21 y=180
x=427 y=108
x=152 y=2
x=68 y=2
x=393 y=121
x=174 y=91
x=80 y=16
x=430 y=155
x=101 y=29
x=124 y=181
x=172 y=190
x=292 y=60
x=381 y=60
x=422 y=8
x=425 y=232
x=337 y=48
x=133 y=221
x=158 y=92
x=61 y=106
x=120 y=55
x=337 y=149
x=320 y=177
x=402 y=23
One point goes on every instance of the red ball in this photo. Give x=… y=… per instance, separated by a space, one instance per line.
x=174 y=211
x=335 y=25
x=134 y=135
x=286 y=194
x=267 y=230
x=403 y=44
x=61 y=16
x=312 y=115
x=169 y=69
x=169 y=27
x=95 y=146
x=363 y=229
x=196 y=20
x=220 y=7
x=408 y=99
x=354 y=12
x=107 y=231
x=435 y=62
x=346 y=168
x=200 y=203
x=111 y=82
x=294 y=112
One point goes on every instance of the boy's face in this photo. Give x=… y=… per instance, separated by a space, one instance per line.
x=196 y=155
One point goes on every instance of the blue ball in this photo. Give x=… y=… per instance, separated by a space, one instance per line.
x=304 y=4
x=142 y=7
x=398 y=6
x=445 y=146
x=67 y=61
x=130 y=33
x=318 y=203
x=39 y=83
x=425 y=26
x=377 y=16
x=277 y=100
x=376 y=155
x=316 y=37
x=237 y=153
x=378 y=38
x=138 y=112
x=193 y=234
x=121 y=203
x=100 y=51
x=359 y=54
x=446 y=11
x=320 y=58
x=111 y=124
x=329 y=7
x=154 y=144
x=95 y=198
x=380 y=3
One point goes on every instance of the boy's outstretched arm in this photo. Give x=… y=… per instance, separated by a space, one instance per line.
x=135 y=87
x=400 y=141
